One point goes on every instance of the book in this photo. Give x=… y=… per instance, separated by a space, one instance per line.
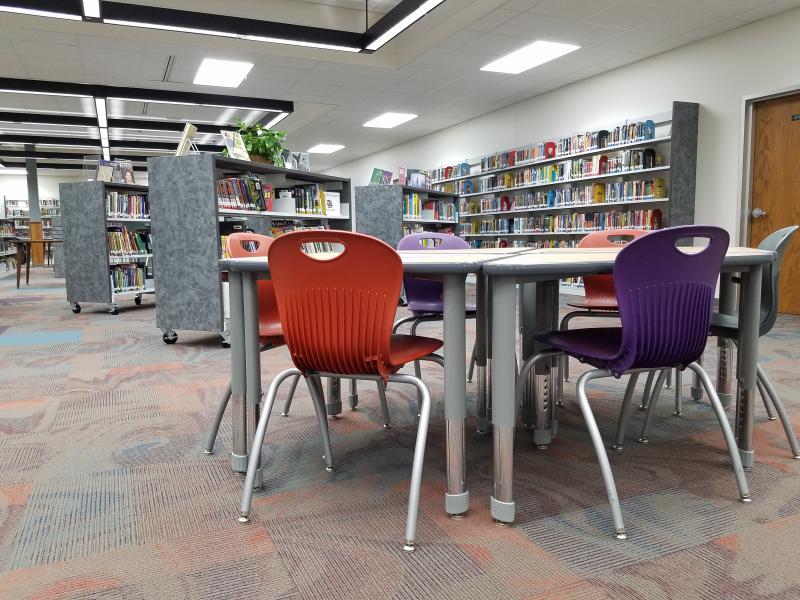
x=234 y=144
x=380 y=177
x=105 y=170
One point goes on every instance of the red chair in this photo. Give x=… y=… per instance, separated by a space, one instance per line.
x=337 y=313
x=243 y=245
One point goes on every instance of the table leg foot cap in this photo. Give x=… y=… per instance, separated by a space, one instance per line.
x=746 y=499
x=208 y=452
x=244 y=519
x=643 y=440
x=621 y=535
x=409 y=546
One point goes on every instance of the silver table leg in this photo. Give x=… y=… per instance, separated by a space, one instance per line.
x=481 y=347
x=252 y=365
x=238 y=375
x=539 y=312
x=333 y=402
x=503 y=394
x=455 y=392
x=727 y=306
x=749 y=316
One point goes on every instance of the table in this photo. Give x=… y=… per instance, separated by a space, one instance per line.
x=449 y=266
x=24 y=248
x=544 y=268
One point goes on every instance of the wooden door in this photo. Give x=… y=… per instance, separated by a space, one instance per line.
x=776 y=186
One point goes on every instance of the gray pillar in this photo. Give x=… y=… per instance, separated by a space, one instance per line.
x=33 y=188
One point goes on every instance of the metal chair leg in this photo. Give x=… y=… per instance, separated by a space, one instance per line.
x=733 y=450
x=403 y=321
x=288 y=404
x=678 y=393
x=258 y=440
x=648 y=384
x=318 y=398
x=600 y=450
x=353 y=396
x=624 y=412
x=417 y=367
x=472 y=361
x=765 y=399
x=387 y=423
x=668 y=382
x=212 y=436
x=779 y=408
x=419 y=457
x=651 y=405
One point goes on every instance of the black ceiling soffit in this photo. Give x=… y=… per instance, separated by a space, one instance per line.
x=44 y=140
x=235 y=26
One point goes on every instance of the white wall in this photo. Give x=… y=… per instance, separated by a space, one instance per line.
x=15 y=186
x=716 y=72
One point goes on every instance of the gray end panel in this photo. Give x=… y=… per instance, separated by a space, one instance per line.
x=58 y=249
x=83 y=216
x=186 y=244
x=683 y=163
x=379 y=212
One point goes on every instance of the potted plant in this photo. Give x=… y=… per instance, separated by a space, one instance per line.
x=263 y=144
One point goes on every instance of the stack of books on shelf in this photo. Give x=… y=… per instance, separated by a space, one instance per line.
x=566 y=223
x=49 y=207
x=129 y=278
x=123 y=205
x=418 y=208
x=450 y=171
x=7 y=229
x=308 y=199
x=244 y=193
x=124 y=243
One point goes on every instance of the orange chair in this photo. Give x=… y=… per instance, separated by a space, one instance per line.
x=337 y=313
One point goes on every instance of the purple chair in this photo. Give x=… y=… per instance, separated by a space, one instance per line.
x=665 y=299
x=425 y=297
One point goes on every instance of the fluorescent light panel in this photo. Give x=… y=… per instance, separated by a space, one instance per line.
x=102 y=114
x=405 y=23
x=39 y=13
x=389 y=120
x=276 y=120
x=325 y=148
x=272 y=40
x=222 y=73
x=106 y=154
x=91 y=9
x=104 y=137
x=169 y=28
x=532 y=55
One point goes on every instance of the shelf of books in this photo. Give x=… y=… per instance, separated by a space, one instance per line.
x=639 y=173
x=199 y=200
x=108 y=252
x=390 y=212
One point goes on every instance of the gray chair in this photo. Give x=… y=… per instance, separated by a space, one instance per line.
x=727 y=327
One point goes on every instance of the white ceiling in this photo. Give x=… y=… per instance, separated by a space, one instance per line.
x=432 y=69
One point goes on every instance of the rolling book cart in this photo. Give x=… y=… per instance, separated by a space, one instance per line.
x=199 y=199
x=390 y=212
x=107 y=246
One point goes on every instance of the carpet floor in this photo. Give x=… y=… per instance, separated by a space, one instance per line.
x=105 y=491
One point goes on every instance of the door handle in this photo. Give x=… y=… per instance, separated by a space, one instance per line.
x=758 y=213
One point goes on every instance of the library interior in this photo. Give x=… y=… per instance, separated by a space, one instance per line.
x=413 y=299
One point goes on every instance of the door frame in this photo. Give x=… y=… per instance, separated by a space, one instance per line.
x=746 y=155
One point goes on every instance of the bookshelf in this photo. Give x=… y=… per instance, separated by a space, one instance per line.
x=192 y=212
x=390 y=212
x=555 y=191
x=107 y=249
x=15 y=222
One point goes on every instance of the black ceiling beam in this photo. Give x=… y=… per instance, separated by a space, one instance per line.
x=42 y=140
x=165 y=125
x=390 y=19
x=238 y=26
x=46 y=119
x=59 y=166
x=70 y=7
x=38 y=154
x=148 y=95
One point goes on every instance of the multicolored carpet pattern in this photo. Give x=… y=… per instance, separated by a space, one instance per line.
x=105 y=491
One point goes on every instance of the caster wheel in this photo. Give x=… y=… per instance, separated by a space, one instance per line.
x=225 y=344
x=137 y=300
x=170 y=337
x=114 y=310
x=76 y=308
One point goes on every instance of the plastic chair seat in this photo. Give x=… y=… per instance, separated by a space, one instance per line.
x=432 y=308
x=604 y=304
x=408 y=348
x=596 y=345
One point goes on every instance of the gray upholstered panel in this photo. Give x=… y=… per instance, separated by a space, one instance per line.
x=85 y=242
x=683 y=163
x=379 y=212
x=58 y=249
x=186 y=244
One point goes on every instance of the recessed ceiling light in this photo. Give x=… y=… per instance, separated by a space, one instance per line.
x=404 y=23
x=530 y=56
x=325 y=148
x=389 y=120
x=222 y=73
